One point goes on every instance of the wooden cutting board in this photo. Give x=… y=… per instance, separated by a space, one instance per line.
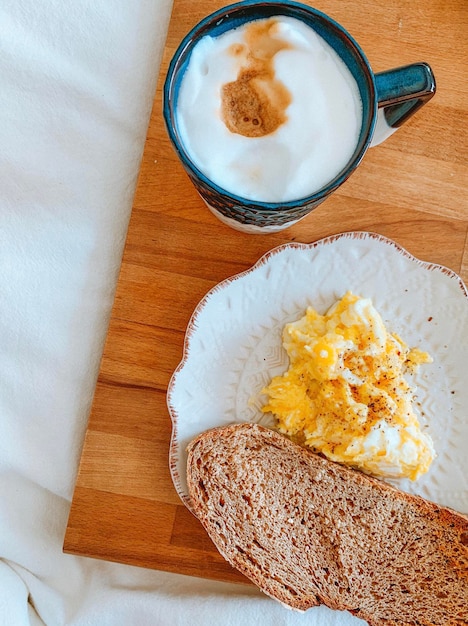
x=411 y=189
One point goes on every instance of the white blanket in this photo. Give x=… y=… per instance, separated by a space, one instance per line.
x=77 y=80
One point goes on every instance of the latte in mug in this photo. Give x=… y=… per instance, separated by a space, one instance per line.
x=269 y=111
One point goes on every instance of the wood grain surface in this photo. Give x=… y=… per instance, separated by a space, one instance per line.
x=411 y=189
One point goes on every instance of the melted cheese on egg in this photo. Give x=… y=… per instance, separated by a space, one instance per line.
x=345 y=394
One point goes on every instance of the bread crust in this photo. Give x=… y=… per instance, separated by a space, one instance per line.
x=308 y=531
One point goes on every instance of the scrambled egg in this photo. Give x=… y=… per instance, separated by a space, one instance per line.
x=344 y=394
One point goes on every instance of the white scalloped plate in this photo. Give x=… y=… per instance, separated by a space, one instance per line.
x=233 y=344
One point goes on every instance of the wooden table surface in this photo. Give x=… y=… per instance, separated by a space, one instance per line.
x=411 y=189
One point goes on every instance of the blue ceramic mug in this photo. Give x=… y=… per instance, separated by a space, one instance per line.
x=388 y=100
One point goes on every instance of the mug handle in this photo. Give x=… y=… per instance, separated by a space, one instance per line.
x=400 y=93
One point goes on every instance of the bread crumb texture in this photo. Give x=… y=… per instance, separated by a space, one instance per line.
x=308 y=531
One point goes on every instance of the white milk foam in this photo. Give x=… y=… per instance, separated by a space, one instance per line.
x=306 y=152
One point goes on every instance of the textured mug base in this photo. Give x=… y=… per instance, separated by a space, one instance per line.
x=250 y=228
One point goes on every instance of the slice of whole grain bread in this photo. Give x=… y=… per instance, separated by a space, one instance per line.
x=308 y=531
